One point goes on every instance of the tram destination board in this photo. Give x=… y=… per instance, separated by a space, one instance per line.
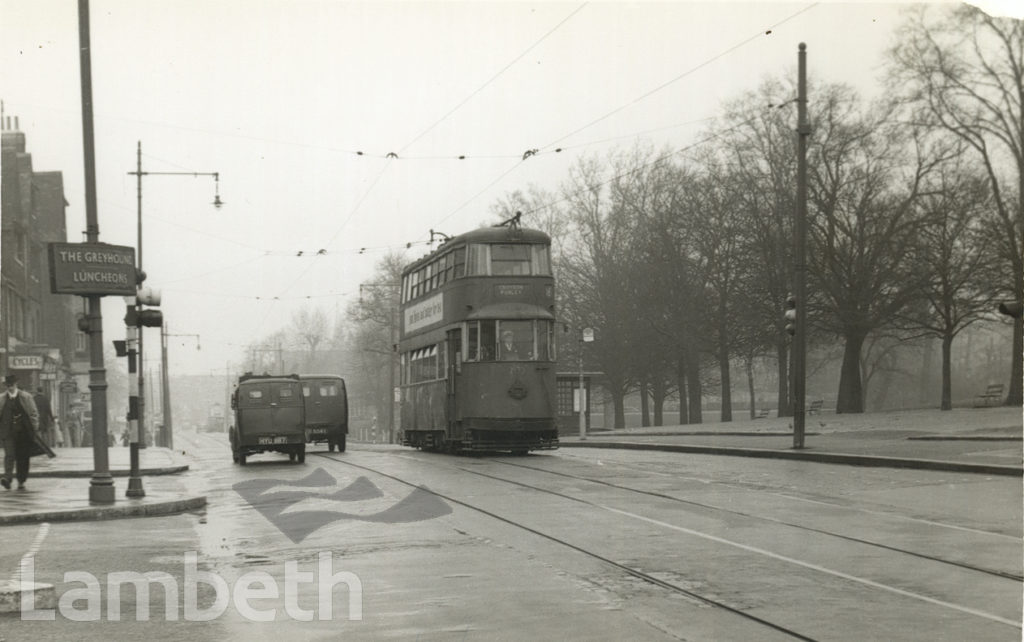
x=92 y=269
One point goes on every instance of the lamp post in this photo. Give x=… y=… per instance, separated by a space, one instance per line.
x=101 y=486
x=586 y=336
x=217 y=203
x=165 y=392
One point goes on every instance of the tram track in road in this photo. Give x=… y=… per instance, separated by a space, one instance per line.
x=820 y=531
x=752 y=549
x=796 y=498
x=633 y=572
x=770 y=554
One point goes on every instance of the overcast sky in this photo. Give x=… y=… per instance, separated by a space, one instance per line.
x=298 y=105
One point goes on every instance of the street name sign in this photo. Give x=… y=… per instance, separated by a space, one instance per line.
x=92 y=269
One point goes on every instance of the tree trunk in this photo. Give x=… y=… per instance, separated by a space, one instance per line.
x=658 y=388
x=693 y=381
x=620 y=407
x=723 y=365
x=1016 y=395
x=645 y=404
x=684 y=412
x=851 y=390
x=750 y=388
x=947 y=372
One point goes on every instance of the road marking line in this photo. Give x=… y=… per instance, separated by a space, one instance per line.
x=822 y=569
x=37 y=543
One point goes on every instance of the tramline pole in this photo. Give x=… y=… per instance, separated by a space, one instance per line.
x=800 y=255
x=217 y=203
x=101 y=486
x=165 y=377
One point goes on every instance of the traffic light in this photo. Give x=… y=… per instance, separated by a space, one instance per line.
x=790 y=315
x=149 y=318
x=136 y=316
x=1012 y=309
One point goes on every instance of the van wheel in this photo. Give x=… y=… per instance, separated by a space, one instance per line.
x=341 y=444
x=330 y=446
x=241 y=459
x=302 y=454
x=291 y=456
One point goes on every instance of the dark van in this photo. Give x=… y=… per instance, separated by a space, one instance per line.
x=269 y=417
x=326 y=409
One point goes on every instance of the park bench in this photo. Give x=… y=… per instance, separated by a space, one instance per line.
x=815 y=407
x=993 y=395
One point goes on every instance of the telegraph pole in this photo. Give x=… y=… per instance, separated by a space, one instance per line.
x=800 y=255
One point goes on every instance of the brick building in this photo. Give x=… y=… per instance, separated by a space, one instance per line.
x=38 y=330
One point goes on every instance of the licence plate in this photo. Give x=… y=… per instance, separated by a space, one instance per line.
x=264 y=441
x=318 y=431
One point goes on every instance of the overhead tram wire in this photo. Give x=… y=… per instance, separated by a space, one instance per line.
x=663 y=157
x=359 y=203
x=646 y=95
x=392 y=156
x=705 y=63
x=494 y=77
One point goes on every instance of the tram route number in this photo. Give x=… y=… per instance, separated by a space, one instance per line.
x=263 y=441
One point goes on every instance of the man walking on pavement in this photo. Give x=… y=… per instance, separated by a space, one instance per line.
x=19 y=421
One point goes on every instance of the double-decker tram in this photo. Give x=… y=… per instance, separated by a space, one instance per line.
x=477 y=344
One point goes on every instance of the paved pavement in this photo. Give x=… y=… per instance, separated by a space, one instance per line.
x=984 y=440
x=972 y=440
x=58 y=488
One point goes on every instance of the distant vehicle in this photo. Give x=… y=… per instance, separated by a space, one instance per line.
x=477 y=344
x=269 y=417
x=326 y=409
x=215 y=419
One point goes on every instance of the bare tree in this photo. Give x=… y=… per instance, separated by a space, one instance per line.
x=963 y=71
x=863 y=225
x=676 y=282
x=953 y=250
x=311 y=325
x=759 y=145
x=374 y=321
x=594 y=276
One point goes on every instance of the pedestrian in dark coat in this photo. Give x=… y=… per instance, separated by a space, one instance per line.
x=19 y=421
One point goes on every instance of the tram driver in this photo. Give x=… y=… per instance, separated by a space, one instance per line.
x=509 y=350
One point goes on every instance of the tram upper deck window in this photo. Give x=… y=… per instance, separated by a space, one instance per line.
x=508 y=259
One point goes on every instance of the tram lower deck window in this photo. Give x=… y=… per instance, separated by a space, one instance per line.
x=510 y=340
x=425 y=364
